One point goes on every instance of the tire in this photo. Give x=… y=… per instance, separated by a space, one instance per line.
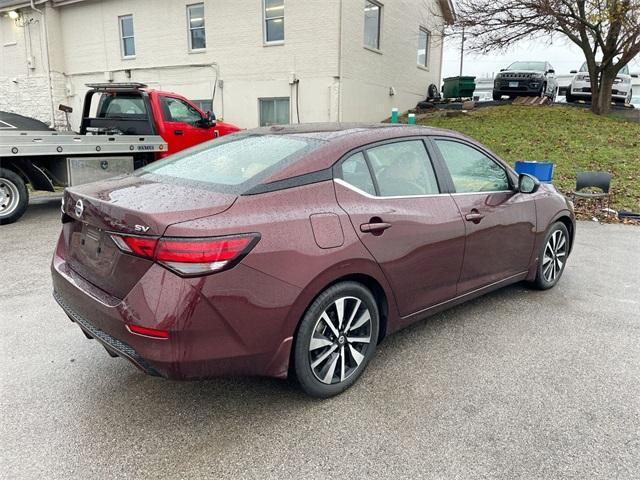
x=14 y=196
x=568 y=97
x=556 y=248
x=321 y=345
x=497 y=96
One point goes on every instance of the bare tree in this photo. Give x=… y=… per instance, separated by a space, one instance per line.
x=605 y=29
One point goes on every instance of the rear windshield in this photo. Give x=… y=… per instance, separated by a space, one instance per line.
x=534 y=66
x=119 y=105
x=234 y=163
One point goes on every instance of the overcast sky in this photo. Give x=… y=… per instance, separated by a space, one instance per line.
x=564 y=56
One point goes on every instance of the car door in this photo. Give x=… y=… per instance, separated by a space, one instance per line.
x=183 y=124
x=416 y=234
x=499 y=221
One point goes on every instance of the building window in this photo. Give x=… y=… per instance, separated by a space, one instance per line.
x=424 y=36
x=195 y=19
x=372 y=16
x=204 y=105
x=273 y=21
x=126 y=35
x=274 y=111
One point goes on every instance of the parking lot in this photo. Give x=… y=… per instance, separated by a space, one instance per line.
x=517 y=384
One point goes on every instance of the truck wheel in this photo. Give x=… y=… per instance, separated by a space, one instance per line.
x=14 y=196
x=497 y=96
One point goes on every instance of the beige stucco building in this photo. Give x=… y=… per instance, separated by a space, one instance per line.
x=269 y=60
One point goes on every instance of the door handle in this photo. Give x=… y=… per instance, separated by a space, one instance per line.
x=374 y=228
x=475 y=216
x=178 y=132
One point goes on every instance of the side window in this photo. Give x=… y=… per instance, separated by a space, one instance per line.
x=175 y=110
x=471 y=170
x=355 y=172
x=403 y=168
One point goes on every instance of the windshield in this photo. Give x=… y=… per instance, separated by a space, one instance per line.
x=536 y=66
x=234 y=163
x=624 y=70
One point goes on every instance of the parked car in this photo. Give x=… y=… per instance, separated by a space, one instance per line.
x=580 y=88
x=296 y=250
x=533 y=79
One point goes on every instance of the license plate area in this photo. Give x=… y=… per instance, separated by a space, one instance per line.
x=513 y=84
x=91 y=252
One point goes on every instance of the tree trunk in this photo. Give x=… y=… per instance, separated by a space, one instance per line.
x=603 y=100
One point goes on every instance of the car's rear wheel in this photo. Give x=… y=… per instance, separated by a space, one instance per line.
x=14 y=196
x=553 y=256
x=497 y=96
x=336 y=339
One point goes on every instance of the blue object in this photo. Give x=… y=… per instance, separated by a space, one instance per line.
x=394 y=115
x=543 y=171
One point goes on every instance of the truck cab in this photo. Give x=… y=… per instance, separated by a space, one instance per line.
x=135 y=109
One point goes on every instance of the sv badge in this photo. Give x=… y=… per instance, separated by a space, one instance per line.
x=141 y=228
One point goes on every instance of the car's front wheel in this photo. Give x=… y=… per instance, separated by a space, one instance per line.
x=553 y=256
x=336 y=339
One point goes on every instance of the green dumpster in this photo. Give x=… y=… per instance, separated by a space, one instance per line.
x=458 y=87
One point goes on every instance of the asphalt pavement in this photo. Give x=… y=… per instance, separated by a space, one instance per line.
x=519 y=384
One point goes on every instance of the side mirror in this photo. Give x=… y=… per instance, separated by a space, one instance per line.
x=573 y=71
x=211 y=118
x=551 y=71
x=502 y=69
x=528 y=183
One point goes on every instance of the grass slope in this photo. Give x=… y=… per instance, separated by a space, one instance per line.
x=574 y=139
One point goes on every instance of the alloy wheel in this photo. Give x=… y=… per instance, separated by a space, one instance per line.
x=9 y=197
x=340 y=340
x=555 y=254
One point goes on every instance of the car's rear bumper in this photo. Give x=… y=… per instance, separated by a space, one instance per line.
x=217 y=327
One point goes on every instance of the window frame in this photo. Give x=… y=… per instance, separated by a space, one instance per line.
x=190 y=29
x=274 y=99
x=434 y=159
x=378 y=47
x=512 y=177
x=427 y=51
x=123 y=54
x=265 y=40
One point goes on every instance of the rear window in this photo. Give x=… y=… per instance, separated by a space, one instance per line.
x=234 y=163
x=122 y=106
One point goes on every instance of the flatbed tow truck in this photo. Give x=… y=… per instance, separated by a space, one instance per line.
x=124 y=126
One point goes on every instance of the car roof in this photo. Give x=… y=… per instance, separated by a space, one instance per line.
x=340 y=138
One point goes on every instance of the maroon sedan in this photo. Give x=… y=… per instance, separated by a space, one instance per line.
x=295 y=250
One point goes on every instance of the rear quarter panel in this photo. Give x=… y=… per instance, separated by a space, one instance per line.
x=288 y=250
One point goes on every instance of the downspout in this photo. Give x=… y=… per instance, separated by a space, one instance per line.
x=46 y=49
x=340 y=80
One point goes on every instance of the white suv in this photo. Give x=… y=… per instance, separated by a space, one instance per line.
x=580 y=88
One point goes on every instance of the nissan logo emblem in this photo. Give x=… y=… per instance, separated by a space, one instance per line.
x=79 y=208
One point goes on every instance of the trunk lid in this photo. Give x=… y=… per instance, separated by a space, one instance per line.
x=127 y=205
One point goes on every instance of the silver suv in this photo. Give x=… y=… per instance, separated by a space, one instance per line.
x=580 y=88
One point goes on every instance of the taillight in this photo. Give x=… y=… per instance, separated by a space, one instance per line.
x=190 y=256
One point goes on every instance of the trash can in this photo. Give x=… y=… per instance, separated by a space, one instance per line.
x=458 y=87
x=543 y=171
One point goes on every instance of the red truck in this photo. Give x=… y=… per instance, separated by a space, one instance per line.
x=124 y=126
x=134 y=109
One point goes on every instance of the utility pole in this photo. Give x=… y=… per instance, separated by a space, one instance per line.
x=461 y=51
